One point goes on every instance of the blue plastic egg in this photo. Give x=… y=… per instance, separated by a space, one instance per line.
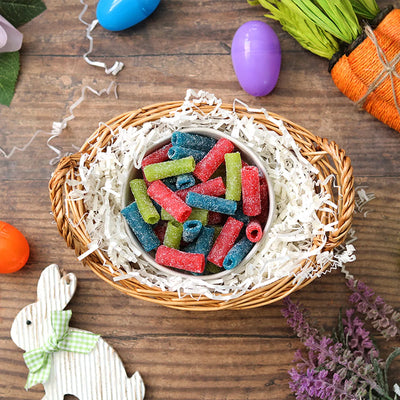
x=256 y=57
x=117 y=15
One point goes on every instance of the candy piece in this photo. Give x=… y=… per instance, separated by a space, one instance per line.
x=237 y=253
x=191 y=229
x=211 y=203
x=173 y=234
x=168 y=200
x=192 y=140
x=225 y=241
x=140 y=228
x=251 y=191
x=212 y=268
x=214 y=158
x=205 y=241
x=177 y=152
x=170 y=182
x=197 y=213
x=185 y=181
x=233 y=165
x=214 y=218
x=264 y=201
x=240 y=215
x=157 y=156
x=169 y=257
x=143 y=201
x=254 y=231
x=213 y=187
x=154 y=172
x=200 y=215
x=159 y=230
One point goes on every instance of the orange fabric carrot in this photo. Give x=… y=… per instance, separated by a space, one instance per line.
x=370 y=74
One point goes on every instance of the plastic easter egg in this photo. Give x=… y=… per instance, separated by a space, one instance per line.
x=14 y=248
x=256 y=57
x=117 y=15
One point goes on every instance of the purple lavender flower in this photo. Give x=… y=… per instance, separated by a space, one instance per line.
x=358 y=339
x=383 y=317
x=296 y=317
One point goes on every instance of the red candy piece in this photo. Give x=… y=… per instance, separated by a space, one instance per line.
x=157 y=156
x=264 y=201
x=251 y=191
x=214 y=158
x=168 y=200
x=193 y=262
x=159 y=230
x=254 y=231
x=214 y=187
x=214 y=218
x=225 y=241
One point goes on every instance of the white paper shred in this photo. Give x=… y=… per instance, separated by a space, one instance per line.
x=117 y=66
x=287 y=244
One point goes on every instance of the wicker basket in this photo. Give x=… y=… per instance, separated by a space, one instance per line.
x=326 y=156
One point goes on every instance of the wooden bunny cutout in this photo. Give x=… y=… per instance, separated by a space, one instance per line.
x=96 y=375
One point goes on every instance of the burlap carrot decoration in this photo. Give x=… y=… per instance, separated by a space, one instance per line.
x=368 y=70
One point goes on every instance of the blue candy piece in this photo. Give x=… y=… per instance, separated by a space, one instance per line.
x=141 y=229
x=185 y=181
x=239 y=215
x=237 y=253
x=205 y=241
x=170 y=182
x=177 y=152
x=193 y=141
x=211 y=203
x=191 y=229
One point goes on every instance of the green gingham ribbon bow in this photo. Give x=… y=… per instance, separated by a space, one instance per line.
x=38 y=361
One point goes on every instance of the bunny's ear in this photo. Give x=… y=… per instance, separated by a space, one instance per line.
x=54 y=289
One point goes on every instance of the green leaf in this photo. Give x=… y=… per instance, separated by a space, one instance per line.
x=395 y=353
x=365 y=8
x=19 y=12
x=9 y=69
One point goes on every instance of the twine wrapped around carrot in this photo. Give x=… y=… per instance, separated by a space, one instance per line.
x=370 y=74
x=368 y=71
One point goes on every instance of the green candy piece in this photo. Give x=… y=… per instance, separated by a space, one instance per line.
x=166 y=216
x=145 y=205
x=233 y=165
x=165 y=169
x=197 y=213
x=173 y=235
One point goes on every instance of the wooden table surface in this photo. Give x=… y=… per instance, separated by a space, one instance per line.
x=231 y=355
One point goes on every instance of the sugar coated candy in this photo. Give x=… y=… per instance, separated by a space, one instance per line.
x=165 y=169
x=140 y=228
x=251 y=191
x=169 y=257
x=193 y=140
x=214 y=158
x=211 y=203
x=225 y=241
x=237 y=253
x=168 y=200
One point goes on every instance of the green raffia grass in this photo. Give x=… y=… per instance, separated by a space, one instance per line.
x=320 y=25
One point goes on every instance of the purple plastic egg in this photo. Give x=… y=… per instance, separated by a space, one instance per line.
x=256 y=57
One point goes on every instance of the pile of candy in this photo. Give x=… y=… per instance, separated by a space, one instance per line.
x=178 y=210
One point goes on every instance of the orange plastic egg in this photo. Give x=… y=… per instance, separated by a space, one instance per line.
x=14 y=248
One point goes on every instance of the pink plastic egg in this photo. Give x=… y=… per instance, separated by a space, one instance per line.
x=256 y=57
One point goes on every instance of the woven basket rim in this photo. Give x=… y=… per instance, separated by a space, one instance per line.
x=326 y=156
